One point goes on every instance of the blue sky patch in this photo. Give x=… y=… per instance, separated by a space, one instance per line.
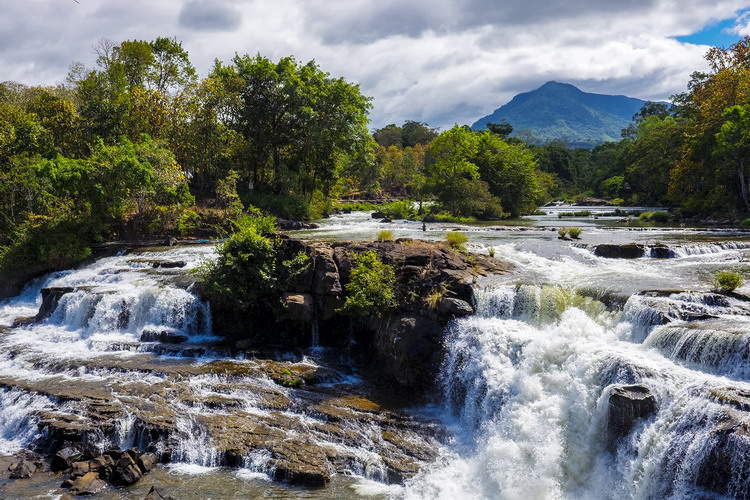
x=717 y=34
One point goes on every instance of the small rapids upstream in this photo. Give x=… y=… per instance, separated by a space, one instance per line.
x=578 y=377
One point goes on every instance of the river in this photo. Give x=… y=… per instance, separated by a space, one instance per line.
x=525 y=382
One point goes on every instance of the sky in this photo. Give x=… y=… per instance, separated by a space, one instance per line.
x=437 y=61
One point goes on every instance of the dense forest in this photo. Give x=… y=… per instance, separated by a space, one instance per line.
x=140 y=146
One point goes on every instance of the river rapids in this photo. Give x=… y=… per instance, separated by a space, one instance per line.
x=525 y=389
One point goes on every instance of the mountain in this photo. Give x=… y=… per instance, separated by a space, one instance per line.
x=562 y=111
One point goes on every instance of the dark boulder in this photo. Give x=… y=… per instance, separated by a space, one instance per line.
x=662 y=251
x=294 y=225
x=378 y=215
x=298 y=307
x=386 y=219
x=126 y=471
x=626 y=251
x=65 y=458
x=50 y=298
x=454 y=307
x=627 y=405
x=408 y=349
x=165 y=336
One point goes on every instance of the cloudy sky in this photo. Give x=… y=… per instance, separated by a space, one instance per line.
x=439 y=61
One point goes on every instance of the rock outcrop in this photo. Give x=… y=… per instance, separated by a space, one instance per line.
x=404 y=343
x=627 y=404
x=626 y=251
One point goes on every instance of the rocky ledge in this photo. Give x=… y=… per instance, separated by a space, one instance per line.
x=403 y=346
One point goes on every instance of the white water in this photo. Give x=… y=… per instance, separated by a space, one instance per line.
x=525 y=381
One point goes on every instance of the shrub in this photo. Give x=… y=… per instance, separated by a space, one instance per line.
x=727 y=281
x=491 y=251
x=617 y=201
x=562 y=233
x=574 y=232
x=745 y=224
x=657 y=216
x=371 y=289
x=398 y=210
x=457 y=241
x=248 y=266
x=385 y=235
x=434 y=298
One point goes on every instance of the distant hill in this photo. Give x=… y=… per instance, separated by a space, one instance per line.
x=562 y=111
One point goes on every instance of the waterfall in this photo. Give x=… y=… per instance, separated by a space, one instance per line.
x=529 y=400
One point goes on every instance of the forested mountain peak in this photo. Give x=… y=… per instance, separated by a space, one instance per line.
x=561 y=111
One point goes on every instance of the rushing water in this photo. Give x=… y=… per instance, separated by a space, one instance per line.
x=525 y=382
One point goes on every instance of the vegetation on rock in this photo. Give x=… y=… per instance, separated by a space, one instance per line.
x=727 y=281
x=371 y=289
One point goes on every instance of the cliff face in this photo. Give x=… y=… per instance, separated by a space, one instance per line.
x=402 y=345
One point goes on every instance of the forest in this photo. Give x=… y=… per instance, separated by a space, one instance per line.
x=140 y=146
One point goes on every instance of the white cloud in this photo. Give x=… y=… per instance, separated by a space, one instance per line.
x=434 y=60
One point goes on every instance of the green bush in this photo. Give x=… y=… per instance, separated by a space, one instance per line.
x=249 y=266
x=385 y=235
x=398 y=210
x=745 y=224
x=446 y=217
x=659 y=216
x=491 y=251
x=574 y=232
x=371 y=289
x=727 y=281
x=457 y=241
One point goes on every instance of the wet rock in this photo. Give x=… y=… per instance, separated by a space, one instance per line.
x=725 y=466
x=662 y=251
x=65 y=458
x=159 y=263
x=88 y=484
x=154 y=494
x=50 y=298
x=126 y=470
x=626 y=251
x=378 y=215
x=408 y=348
x=24 y=468
x=627 y=405
x=23 y=321
x=326 y=278
x=147 y=461
x=165 y=336
x=293 y=225
x=298 y=307
x=386 y=220
x=454 y=307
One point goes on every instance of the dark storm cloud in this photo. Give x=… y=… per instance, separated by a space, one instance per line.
x=371 y=21
x=209 y=15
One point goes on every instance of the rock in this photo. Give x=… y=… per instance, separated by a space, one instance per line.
x=408 y=349
x=298 y=307
x=23 y=321
x=147 y=461
x=627 y=405
x=88 y=484
x=64 y=459
x=126 y=470
x=326 y=278
x=626 y=251
x=378 y=215
x=293 y=225
x=454 y=307
x=154 y=494
x=50 y=298
x=23 y=469
x=661 y=251
x=386 y=220
x=165 y=336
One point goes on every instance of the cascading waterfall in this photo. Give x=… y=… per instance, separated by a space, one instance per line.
x=530 y=400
